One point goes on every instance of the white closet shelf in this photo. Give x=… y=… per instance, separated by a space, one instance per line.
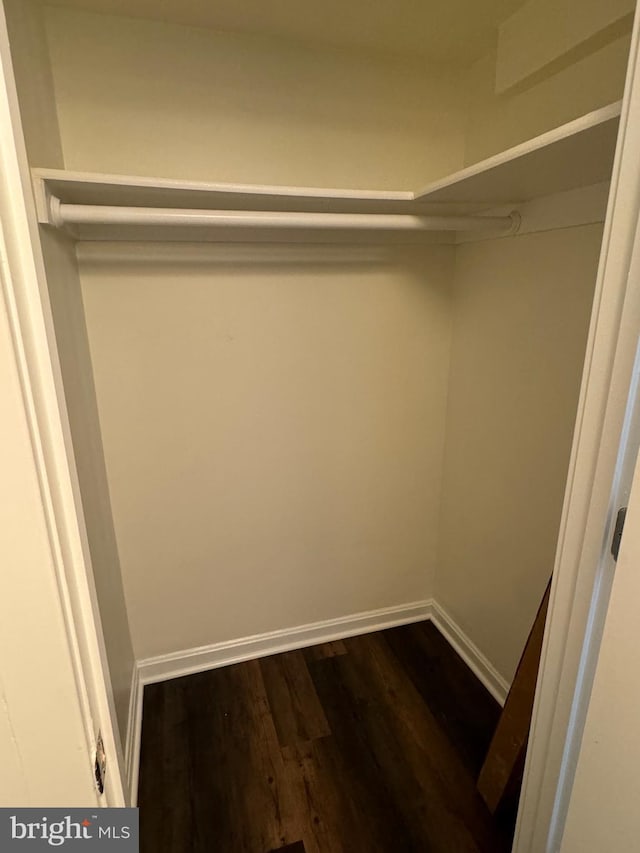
x=107 y=207
x=577 y=154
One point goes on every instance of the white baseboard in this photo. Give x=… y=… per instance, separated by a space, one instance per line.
x=134 y=735
x=189 y=661
x=480 y=665
x=176 y=664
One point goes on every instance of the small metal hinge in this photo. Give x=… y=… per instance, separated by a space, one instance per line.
x=617 y=532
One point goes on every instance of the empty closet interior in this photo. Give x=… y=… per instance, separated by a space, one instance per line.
x=304 y=412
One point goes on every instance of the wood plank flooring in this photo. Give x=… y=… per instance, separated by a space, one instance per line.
x=367 y=745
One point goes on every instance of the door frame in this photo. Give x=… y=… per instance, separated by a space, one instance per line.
x=34 y=347
x=563 y=691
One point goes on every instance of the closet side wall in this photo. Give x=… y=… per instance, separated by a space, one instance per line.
x=557 y=95
x=75 y=360
x=37 y=105
x=522 y=307
x=34 y=82
x=273 y=420
x=148 y=98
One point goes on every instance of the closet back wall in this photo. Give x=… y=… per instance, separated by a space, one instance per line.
x=273 y=423
x=147 y=98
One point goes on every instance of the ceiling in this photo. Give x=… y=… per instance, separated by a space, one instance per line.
x=456 y=31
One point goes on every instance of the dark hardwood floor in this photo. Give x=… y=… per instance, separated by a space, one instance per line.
x=367 y=745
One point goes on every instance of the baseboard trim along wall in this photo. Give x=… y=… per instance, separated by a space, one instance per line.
x=477 y=662
x=175 y=664
x=189 y=661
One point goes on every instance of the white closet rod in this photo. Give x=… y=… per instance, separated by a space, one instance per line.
x=89 y=214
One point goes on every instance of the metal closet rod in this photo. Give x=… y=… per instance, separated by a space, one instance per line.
x=92 y=214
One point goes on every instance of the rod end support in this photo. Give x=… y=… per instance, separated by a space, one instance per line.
x=55 y=213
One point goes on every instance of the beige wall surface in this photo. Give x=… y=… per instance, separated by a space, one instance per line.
x=34 y=82
x=139 y=97
x=497 y=122
x=544 y=33
x=521 y=309
x=273 y=421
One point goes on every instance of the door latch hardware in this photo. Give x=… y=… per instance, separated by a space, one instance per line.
x=617 y=532
x=100 y=767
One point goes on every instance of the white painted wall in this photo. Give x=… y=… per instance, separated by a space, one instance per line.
x=273 y=422
x=148 y=98
x=521 y=309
